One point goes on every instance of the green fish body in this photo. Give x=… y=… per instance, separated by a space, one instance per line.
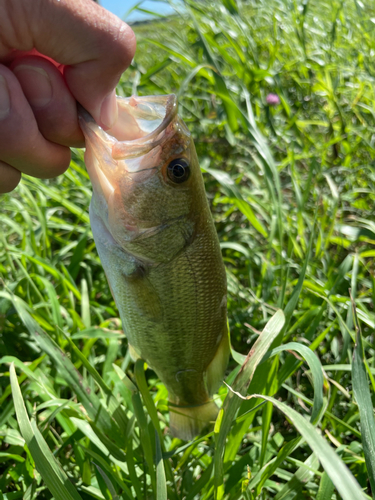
x=157 y=242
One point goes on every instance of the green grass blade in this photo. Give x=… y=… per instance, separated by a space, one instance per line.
x=55 y=478
x=326 y=488
x=108 y=483
x=148 y=401
x=292 y=303
x=295 y=484
x=363 y=397
x=85 y=304
x=145 y=435
x=98 y=459
x=161 y=484
x=132 y=472
x=316 y=371
x=268 y=470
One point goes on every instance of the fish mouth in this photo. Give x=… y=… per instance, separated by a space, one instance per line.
x=142 y=125
x=135 y=146
x=133 y=152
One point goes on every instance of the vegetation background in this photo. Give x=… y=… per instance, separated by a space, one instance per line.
x=291 y=182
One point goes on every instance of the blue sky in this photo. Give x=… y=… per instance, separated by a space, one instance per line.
x=120 y=7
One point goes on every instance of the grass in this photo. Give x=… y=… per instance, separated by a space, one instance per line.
x=292 y=191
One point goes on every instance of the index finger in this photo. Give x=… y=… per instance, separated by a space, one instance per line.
x=94 y=46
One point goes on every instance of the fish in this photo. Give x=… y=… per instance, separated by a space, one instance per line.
x=157 y=243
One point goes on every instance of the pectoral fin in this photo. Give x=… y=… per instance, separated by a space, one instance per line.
x=216 y=369
x=133 y=353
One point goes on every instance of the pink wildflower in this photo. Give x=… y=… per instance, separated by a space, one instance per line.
x=273 y=99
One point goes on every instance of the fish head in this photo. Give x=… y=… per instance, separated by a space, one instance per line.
x=147 y=183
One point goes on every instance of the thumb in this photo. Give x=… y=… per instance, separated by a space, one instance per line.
x=93 y=45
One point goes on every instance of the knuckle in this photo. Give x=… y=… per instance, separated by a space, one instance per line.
x=14 y=27
x=124 y=46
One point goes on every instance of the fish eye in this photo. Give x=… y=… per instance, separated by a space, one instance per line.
x=178 y=170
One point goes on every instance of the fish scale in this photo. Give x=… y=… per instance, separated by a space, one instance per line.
x=157 y=242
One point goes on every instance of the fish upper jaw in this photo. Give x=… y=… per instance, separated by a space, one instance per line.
x=141 y=126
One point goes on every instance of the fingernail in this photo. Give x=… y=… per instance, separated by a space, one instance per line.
x=108 y=111
x=4 y=98
x=35 y=83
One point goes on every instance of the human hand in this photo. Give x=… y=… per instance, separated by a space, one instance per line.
x=54 y=53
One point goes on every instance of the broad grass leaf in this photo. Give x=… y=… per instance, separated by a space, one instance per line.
x=106 y=466
x=159 y=66
x=313 y=362
x=27 y=371
x=139 y=371
x=89 y=432
x=292 y=303
x=231 y=5
x=54 y=193
x=232 y=404
x=193 y=73
x=45 y=264
x=145 y=436
x=135 y=480
x=220 y=86
x=202 y=482
x=237 y=247
x=343 y=479
x=53 y=299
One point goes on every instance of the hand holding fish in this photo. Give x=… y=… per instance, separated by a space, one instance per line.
x=53 y=54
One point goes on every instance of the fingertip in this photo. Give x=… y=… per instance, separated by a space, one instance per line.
x=9 y=178
x=60 y=165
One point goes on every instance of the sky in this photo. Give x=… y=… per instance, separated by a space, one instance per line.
x=121 y=7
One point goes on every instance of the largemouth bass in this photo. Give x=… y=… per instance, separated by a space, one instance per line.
x=159 y=249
